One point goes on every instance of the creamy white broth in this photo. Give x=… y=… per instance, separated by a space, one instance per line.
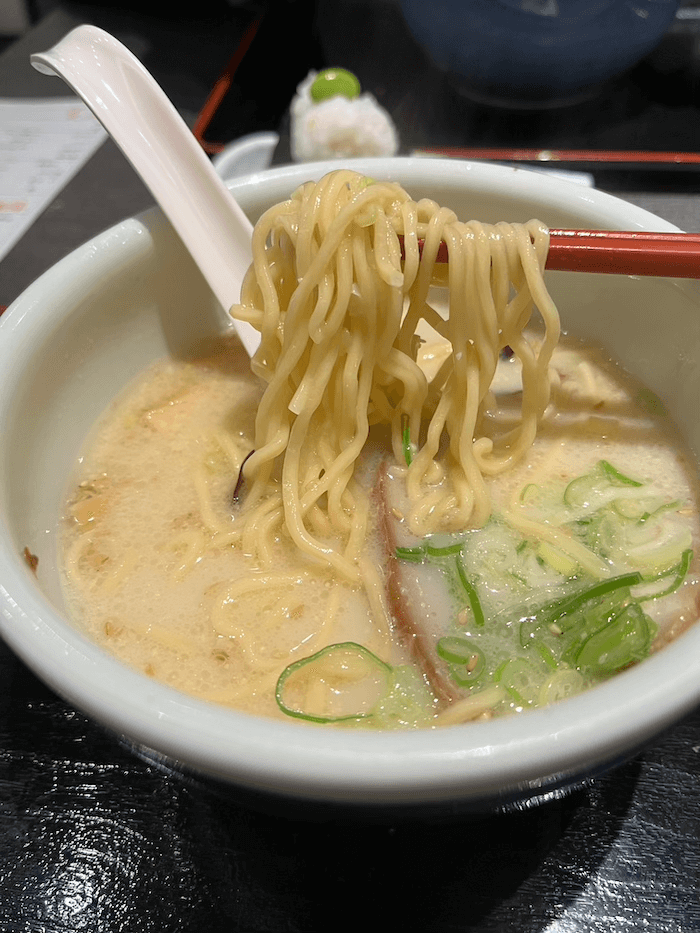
x=147 y=572
x=154 y=573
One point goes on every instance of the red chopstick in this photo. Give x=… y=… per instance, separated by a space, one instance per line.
x=625 y=253
x=622 y=252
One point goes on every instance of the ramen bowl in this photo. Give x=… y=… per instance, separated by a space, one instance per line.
x=87 y=327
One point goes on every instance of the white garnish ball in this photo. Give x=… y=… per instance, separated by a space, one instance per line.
x=339 y=127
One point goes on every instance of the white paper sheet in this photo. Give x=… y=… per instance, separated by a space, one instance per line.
x=43 y=143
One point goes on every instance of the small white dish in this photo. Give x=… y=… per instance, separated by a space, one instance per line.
x=244 y=156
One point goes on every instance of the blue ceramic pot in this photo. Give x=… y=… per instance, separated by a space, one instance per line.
x=536 y=52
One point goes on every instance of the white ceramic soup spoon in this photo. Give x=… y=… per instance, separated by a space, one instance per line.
x=138 y=116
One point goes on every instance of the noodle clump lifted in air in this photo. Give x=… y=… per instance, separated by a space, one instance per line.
x=338 y=304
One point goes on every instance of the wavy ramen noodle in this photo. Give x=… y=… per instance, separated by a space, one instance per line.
x=338 y=312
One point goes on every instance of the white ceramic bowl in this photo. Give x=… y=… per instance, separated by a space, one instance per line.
x=74 y=339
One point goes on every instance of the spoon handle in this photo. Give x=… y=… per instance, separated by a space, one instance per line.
x=155 y=139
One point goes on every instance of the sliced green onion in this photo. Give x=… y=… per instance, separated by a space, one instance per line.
x=655 y=556
x=472 y=595
x=619 y=644
x=580 y=491
x=567 y=607
x=564 y=683
x=594 y=617
x=456 y=650
x=677 y=575
x=546 y=655
x=331 y=652
x=521 y=679
x=630 y=509
x=615 y=477
x=466 y=675
x=593 y=614
x=414 y=554
x=519 y=578
x=665 y=507
x=572 y=603
x=417 y=555
x=642 y=509
x=406 y=440
x=465 y=659
x=446 y=551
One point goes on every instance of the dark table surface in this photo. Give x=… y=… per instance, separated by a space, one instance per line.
x=93 y=837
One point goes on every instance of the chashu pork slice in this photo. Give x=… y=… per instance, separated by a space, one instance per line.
x=418 y=595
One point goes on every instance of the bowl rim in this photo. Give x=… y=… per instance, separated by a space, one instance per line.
x=469 y=762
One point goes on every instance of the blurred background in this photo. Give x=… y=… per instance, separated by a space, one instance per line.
x=594 y=74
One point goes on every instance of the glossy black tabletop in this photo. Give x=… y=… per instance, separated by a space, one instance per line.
x=95 y=838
